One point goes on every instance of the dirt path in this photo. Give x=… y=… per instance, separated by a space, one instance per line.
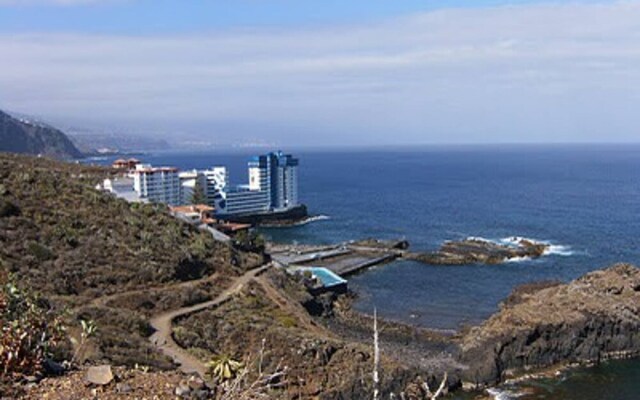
x=103 y=301
x=162 y=323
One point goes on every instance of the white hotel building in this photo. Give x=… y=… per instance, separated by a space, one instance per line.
x=157 y=185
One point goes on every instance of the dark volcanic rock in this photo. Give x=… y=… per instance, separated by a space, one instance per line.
x=477 y=251
x=281 y=218
x=592 y=318
x=20 y=136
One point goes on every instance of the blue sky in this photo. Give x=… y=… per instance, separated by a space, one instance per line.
x=327 y=72
x=156 y=16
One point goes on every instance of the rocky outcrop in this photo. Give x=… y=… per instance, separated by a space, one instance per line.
x=479 y=251
x=276 y=218
x=22 y=136
x=592 y=318
x=378 y=244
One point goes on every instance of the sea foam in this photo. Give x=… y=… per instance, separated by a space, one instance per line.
x=514 y=241
x=498 y=394
x=314 y=218
x=559 y=250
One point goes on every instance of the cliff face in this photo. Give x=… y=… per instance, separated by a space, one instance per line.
x=590 y=319
x=18 y=136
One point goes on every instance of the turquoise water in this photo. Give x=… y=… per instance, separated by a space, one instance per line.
x=585 y=200
x=327 y=277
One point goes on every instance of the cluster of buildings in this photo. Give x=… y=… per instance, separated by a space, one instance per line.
x=272 y=186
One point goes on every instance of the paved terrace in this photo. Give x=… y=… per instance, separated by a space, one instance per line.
x=343 y=259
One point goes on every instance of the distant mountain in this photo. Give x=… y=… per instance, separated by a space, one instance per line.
x=22 y=135
x=91 y=142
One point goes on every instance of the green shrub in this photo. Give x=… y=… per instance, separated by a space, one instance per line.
x=287 y=321
x=39 y=251
x=30 y=332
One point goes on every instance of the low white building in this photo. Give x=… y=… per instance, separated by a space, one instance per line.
x=122 y=188
x=241 y=200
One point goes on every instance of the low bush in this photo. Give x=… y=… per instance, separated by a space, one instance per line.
x=40 y=252
x=8 y=209
x=30 y=332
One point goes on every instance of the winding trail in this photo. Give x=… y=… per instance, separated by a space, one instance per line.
x=162 y=323
x=105 y=300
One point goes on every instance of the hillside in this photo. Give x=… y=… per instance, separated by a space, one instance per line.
x=97 y=142
x=73 y=244
x=23 y=136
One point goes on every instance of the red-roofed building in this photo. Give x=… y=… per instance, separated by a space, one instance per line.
x=128 y=165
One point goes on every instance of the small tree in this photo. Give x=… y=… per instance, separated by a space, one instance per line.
x=198 y=196
x=249 y=241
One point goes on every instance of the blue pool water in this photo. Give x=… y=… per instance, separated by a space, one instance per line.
x=327 y=277
x=585 y=200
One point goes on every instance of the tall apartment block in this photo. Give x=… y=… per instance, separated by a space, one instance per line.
x=272 y=187
x=157 y=185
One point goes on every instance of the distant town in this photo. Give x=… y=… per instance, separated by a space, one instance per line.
x=271 y=192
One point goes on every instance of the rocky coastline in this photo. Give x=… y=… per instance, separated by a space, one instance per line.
x=480 y=251
x=540 y=328
x=278 y=218
x=589 y=320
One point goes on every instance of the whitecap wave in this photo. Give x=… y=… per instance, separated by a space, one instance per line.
x=479 y=239
x=499 y=394
x=305 y=221
x=517 y=259
x=315 y=218
x=558 y=250
x=514 y=241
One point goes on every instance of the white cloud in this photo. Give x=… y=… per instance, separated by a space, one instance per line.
x=544 y=72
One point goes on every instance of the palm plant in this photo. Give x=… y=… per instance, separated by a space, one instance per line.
x=224 y=368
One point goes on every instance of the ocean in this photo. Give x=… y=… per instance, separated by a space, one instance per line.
x=582 y=199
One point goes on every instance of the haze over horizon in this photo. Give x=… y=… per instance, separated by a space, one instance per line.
x=305 y=73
